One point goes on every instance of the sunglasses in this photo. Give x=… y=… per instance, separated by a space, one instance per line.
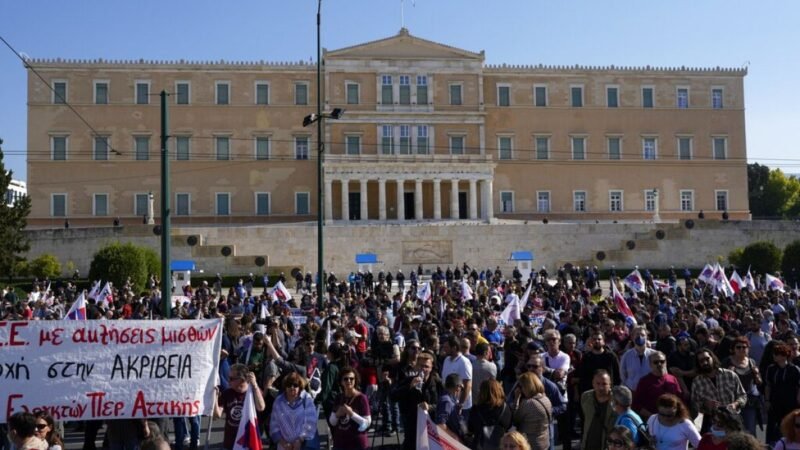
x=236 y=379
x=416 y=349
x=41 y=426
x=616 y=443
x=293 y=386
x=348 y=379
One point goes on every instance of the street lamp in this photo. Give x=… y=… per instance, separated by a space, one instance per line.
x=656 y=218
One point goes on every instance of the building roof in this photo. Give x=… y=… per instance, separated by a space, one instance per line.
x=404 y=45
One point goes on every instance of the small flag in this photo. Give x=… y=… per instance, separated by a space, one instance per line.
x=661 y=285
x=95 y=289
x=280 y=293
x=706 y=274
x=466 y=291
x=102 y=297
x=424 y=292
x=78 y=309
x=736 y=282
x=634 y=281
x=512 y=312
x=774 y=284
x=524 y=300
x=247 y=437
x=720 y=281
x=619 y=301
x=749 y=282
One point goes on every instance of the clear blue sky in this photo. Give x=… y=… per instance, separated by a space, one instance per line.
x=708 y=33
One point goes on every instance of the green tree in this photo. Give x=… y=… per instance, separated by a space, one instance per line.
x=116 y=262
x=791 y=259
x=152 y=261
x=762 y=256
x=772 y=194
x=757 y=177
x=13 y=220
x=735 y=257
x=45 y=266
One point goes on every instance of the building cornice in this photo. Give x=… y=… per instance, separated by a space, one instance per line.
x=491 y=69
x=101 y=63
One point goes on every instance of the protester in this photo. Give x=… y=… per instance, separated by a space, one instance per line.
x=230 y=401
x=724 y=423
x=671 y=428
x=653 y=385
x=490 y=416
x=514 y=440
x=45 y=429
x=351 y=416
x=634 y=363
x=598 y=414
x=418 y=390
x=293 y=423
x=715 y=387
x=620 y=438
x=747 y=371
x=790 y=429
x=622 y=398
x=782 y=390
x=22 y=432
x=532 y=411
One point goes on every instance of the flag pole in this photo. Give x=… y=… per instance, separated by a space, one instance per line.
x=210 y=421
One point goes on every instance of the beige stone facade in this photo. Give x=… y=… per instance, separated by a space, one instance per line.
x=430 y=133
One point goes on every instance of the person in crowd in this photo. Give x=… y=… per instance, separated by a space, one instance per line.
x=557 y=367
x=482 y=368
x=490 y=416
x=782 y=389
x=620 y=438
x=45 y=429
x=652 y=385
x=448 y=412
x=671 y=428
x=724 y=423
x=421 y=389
x=532 y=411
x=598 y=414
x=744 y=441
x=231 y=400
x=22 y=432
x=714 y=387
x=293 y=423
x=681 y=363
x=622 y=399
x=514 y=440
x=747 y=371
x=351 y=416
x=790 y=431
x=597 y=358
x=456 y=362
x=634 y=363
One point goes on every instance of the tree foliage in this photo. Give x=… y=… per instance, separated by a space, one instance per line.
x=735 y=257
x=791 y=259
x=762 y=257
x=116 y=262
x=13 y=220
x=152 y=261
x=45 y=266
x=772 y=194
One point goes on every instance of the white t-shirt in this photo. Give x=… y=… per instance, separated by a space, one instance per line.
x=560 y=361
x=463 y=367
x=676 y=437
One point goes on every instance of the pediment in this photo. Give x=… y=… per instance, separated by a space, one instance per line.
x=403 y=46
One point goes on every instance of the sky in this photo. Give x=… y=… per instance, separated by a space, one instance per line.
x=762 y=35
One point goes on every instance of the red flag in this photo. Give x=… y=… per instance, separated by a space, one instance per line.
x=619 y=300
x=247 y=437
x=736 y=282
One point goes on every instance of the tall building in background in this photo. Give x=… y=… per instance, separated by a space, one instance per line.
x=430 y=132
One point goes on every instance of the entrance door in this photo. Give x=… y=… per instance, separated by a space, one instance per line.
x=409 y=205
x=462 y=205
x=355 y=205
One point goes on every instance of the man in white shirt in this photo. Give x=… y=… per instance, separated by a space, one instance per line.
x=635 y=362
x=455 y=362
x=557 y=366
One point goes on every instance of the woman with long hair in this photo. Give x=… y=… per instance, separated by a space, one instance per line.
x=514 y=440
x=790 y=428
x=351 y=414
x=490 y=418
x=747 y=371
x=532 y=411
x=45 y=429
x=620 y=438
x=671 y=428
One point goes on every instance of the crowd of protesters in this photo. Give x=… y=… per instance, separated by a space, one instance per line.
x=574 y=370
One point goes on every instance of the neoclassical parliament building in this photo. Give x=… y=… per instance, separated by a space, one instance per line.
x=430 y=132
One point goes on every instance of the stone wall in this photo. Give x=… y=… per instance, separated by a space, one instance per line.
x=405 y=246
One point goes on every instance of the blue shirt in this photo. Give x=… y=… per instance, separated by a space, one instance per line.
x=630 y=420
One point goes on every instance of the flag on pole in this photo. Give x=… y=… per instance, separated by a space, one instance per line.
x=720 y=281
x=524 y=300
x=95 y=289
x=78 y=309
x=431 y=437
x=619 y=301
x=247 y=437
x=749 y=282
x=466 y=291
x=280 y=293
x=774 y=284
x=424 y=292
x=263 y=313
x=736 y=282
x=328 y=334
x=102 y=297
x=661 y=285
x=634 y=281
x=512 y=311
x=706 y=274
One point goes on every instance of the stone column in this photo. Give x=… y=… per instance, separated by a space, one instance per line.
x=382 y=200
x=437 y=199
x=345 y=199
x=454 y=198
x=401 y=200
x=473 y=199
x=418 y=199
x=364 y=208
x=488 y=200
x=328 y=199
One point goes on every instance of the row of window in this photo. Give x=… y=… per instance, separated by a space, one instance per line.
x=390 y=93
x=183 y=204
x=616 y=201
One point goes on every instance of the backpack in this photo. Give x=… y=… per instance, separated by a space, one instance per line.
x=643 y=438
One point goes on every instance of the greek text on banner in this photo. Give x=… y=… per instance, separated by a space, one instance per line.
x=82 y=370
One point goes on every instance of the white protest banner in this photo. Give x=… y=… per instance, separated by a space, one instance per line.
x=98 y=369
x=431 y=437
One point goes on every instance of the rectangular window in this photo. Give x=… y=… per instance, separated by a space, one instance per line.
x=682 y=97
x=223 y=148
x=352 y=93
x=223 y=207
x=650 y=200
x=141 y=204
x=405 y=90
x=301 y=93
x=542 y=148
x=262 y=148
x=720 y=147
x=648 y=97
x=615 y=201
x=540 y=96
x=456 y=145
x=578 y=148
x=579 y=201
x=262 y=203
x=721 y=200
x=301 y=202
x=422 y=140
x=543 y=201
x=576 y=96
x=262 y=93
x=455 y=95
x=58 y=205
x=504 y=146
x=387 y=140
x=182 y=95
x=716 y=98
x=387 y=95
x=142 y=92
x=405 y=140
x=182 y=204
x=101 y=92
x=223 y=93
x=301 y=147
x=507 y=201
x=687 y=200
x=422 y=90
x=612 y=96
x=100 y=205
x=182 y=148
x=614 y=148
x=58 y=145
x=503 y=95
x=101 y=148
x=353 y=145
x=59 y=92
x=649 y=148
x=685 y=148
x=142 y=147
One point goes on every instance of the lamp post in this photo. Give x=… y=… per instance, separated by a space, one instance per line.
x=656 y=218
